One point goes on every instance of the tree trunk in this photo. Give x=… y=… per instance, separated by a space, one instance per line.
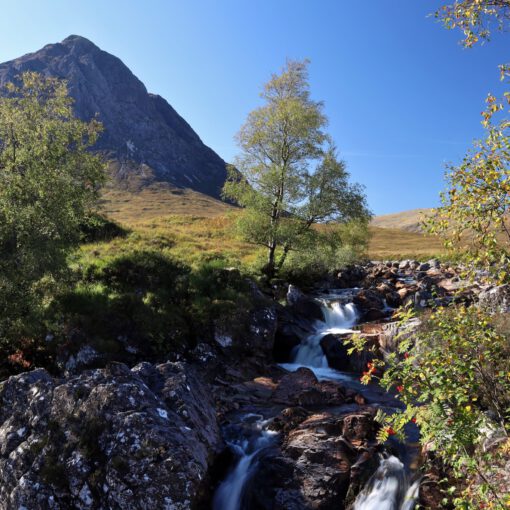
x=270 y=268
x=286 y=250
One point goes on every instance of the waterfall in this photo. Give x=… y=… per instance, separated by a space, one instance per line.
x=338 y=319
x=229 y=494
x=388 y=489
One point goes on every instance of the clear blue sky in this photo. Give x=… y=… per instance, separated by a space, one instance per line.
x=402 y=96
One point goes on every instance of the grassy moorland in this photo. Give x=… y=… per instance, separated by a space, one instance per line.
x=193 y=227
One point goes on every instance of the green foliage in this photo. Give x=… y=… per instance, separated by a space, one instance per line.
x=475 y=209
x=454 y=380
x=48 y=183
x=138 y=296
x=340 y=246
x=474 y=215
x=291 y=178
x=157 y=303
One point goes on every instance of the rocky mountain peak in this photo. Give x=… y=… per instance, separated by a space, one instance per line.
x=145 y=139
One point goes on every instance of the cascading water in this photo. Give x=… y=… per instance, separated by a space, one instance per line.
x=388 y=489
x=338 y=319
x=248 y=444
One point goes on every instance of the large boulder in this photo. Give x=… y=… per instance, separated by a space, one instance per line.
x=336 y=351
x=248 y=331
x=321 y=465
x=108 y=438
x=302 y=388
x=372 y=305
x=303 y=305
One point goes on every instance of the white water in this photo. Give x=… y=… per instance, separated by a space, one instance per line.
x=229 y=494
x=338 y=319
x=388 y=489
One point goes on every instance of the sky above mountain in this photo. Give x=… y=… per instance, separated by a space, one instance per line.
x=403 y=97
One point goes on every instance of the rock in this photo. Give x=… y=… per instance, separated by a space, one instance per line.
x=414 y=265
x=294 y=295
x=374 y=315
x=392 y=333
x=371 y=304
x=495 y=299
x=405 y=264
x=422 y=299
x=302 y=388
x=434 y=263
x=294 y=323
x=145 y=139
x=390 y=294
x=86 y=357
x=248 y=331
x=336 y=352
x=318 y=463
x=107 y=438
x=350 y=277
x=304 y=306
x=368 y=299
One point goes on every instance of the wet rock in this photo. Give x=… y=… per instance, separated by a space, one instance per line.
x=369 y=299
x=304 y=306
x=336 y=352
x=294 y=295
x=390 y=294
x=371 y=304
x=302 y=388
x=294 y=323
x=318 y=462
x=108 y=438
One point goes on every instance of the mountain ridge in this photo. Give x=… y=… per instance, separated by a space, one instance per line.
x=145 y=138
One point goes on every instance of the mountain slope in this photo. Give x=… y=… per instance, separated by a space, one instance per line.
x=410 y=221
x=145 y=137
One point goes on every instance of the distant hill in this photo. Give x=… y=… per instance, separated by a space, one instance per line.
x=410 y=221
x=145 y=138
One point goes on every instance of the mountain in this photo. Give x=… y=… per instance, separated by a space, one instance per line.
x=409 y=221
x=146 y=140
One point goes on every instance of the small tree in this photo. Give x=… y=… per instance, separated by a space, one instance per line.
x=291 y=177
x=48 y=182
x=474 y=215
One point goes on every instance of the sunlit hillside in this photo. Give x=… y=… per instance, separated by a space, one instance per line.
x=409 y=221
x=193 y=227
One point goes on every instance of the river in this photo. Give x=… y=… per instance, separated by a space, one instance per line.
x=388 y=489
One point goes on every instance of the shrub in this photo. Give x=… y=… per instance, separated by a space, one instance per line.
x=454 y=380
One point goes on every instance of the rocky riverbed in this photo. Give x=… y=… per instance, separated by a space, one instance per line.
x=163 y=435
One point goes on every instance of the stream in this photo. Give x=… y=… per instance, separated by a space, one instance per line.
x=389 y=488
